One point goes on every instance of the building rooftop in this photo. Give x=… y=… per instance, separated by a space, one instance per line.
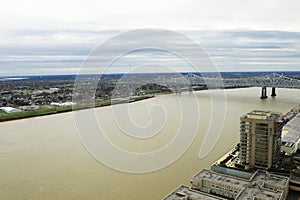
x=264 y=115
x=261 y=184
x=184 y=192
x=207 y=174
x=292 y=112
x=294 y=124
x=259 y=176
x=253 y=193
x=291 y=136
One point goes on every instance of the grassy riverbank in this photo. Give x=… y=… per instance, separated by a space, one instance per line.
x=55 y=110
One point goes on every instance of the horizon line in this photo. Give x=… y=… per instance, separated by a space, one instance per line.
x=271 y=71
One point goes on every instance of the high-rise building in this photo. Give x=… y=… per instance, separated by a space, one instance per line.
x=260 y=139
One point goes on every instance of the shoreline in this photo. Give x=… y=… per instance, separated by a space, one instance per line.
x=29 y=114
x=59 y=110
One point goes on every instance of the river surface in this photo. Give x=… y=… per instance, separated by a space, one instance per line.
x=43 y=158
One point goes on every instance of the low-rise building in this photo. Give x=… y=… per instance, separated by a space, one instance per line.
x=261 y=185
x=10 y=110
x=211 y=185
x=185 y=193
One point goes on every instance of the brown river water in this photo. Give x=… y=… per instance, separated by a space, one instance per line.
x=43 y=158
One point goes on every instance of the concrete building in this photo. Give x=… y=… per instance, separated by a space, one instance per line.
x=291 y=136
x=260 y=139
x=261 y=185
x=211 y=185
x=186 y=193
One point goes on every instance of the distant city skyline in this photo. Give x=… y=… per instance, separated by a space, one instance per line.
x=54 y=37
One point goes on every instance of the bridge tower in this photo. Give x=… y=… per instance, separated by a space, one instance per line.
x=190 y=88
x=273 y=92
x=264 y=92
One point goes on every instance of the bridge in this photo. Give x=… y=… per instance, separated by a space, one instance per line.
x=189 y=82
x=273 y=80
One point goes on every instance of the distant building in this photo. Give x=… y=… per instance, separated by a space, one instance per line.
x=10 y=110
x=62 y=104
x=30 y=108
x=48 y=91
x=260 y=139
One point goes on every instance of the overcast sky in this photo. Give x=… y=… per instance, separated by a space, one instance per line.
x=54 y=37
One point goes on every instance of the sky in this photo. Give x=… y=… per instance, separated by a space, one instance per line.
x=55 y=37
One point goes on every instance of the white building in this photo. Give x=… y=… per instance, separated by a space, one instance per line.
x=10 y=110
x=62 y=104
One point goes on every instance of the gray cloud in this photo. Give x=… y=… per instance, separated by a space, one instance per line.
x=62 y=51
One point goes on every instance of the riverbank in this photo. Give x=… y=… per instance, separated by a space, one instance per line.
x=100 y=103
x=56 y=110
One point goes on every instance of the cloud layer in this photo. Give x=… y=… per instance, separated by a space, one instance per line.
x=54 y=37
x=43 y=52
